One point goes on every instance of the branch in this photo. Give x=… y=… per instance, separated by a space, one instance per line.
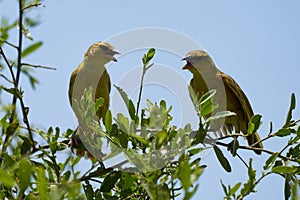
x=8 y=43
x=259 y=149
x=16 y=80
x=7 y=79
x=8 y=65
x=140 y=92
x=31 y=5
x=14 y=101
x=38 y=66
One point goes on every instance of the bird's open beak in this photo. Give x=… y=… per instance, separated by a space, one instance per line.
x=187 y=66
x=115 y=52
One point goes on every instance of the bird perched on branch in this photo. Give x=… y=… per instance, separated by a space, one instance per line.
x=91 y=73
x=229 y=95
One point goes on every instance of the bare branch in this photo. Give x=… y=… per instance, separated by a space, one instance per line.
x=31 y=5
x=7 y=79
x=38 y=66
x=259 y=149
x=8 y=43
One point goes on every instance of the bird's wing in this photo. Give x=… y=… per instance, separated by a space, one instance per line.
x=71 y=85
x=238 y=92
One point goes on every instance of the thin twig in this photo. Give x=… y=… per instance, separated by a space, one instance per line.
x=271 y=129
x=284 y=148
x=230 y=135
x=255 y=184
x=7 y=79
x=14 y=101
x=38 y=66
x=118 y=165
x=17 y=79
x=31 y=5
x=258 y=149
x=140 y=92
x=8 y=65
x=8 y=43
x=266 y=138
x=242 y=160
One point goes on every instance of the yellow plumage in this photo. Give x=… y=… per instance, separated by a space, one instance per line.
x=229 y=96
x=91 y=73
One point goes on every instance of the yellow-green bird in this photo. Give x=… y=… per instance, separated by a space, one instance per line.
x=91 y=73
x=229 y=95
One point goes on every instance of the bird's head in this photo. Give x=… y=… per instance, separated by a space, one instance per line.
x=101 y=52
x=200 y=61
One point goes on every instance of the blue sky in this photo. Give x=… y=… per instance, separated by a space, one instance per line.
x=256 y=42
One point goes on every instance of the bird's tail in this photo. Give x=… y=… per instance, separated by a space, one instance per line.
x=77 y=144
x=253 y=139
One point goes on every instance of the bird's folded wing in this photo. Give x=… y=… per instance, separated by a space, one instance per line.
x=238 y=92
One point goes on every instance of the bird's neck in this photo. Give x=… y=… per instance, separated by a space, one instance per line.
x=92 y=67
x=91 y=61
x=204 y=68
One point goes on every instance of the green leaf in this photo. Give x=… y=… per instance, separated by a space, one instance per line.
x=11 y=129
x=88 y=190
x=199 y=137
x=6 y=178
x=194 y=151
x=108 y=121
x=147 y=57
x=10 y=90
x=123 y=138
x=131 y=110
x=284 y=169
x=236 y=145
x=99 y=102
x=42 y=183
x=218 y=115
x=151 y=53
x=207 y=108
x=223 y=161
x=26 y=145
x=270 y=161
x=109 y=181
x=123 y=122
x=9 y=160
x=254 y=123
x=224 y=187
x=66 y=176
x=128 y=102
x=284 y=132
x=234 y=189
x=185 y=174
x=207 y=96
x=292 y=107
x=249 y=186
x=160 y=138
x=206 y=103
x=23 y=172
x=30 y=49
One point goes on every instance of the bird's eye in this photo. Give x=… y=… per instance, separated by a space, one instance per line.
x=104 y=48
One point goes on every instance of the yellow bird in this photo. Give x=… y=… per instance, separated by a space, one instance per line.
x=91 y=73
x=229 y=96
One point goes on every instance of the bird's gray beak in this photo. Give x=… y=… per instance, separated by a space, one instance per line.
x=115 y=52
